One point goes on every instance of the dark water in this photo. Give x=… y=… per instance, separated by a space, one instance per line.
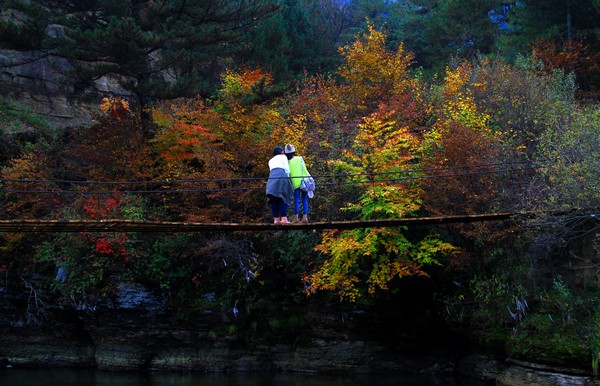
x=86 y=377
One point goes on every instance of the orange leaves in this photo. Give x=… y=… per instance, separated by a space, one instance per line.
x=186 y=137
x=575 y=55
x=116 y=107
x=185 y=141
x=114 y=148
x=225 y=138
x=238 y=84
x=27 y=194
x=571 y=55
x=317 y=121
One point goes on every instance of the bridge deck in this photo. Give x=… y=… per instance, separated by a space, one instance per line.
x=118 y=225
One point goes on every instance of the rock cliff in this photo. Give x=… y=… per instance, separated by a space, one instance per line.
x=41 y=83
x=137 y=331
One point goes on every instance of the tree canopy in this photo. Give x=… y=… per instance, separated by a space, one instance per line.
x=157 y=49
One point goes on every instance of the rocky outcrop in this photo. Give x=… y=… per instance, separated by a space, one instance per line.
x=511 y=372
x=136 y=331
x=524 y=373
x=41 y=83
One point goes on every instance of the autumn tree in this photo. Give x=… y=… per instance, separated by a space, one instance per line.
x=565 y=191
x=27 y=189
x=223 y=146
x=26 y=192
x=365 y=261
x=579 y=56
x=326 y=113
x=113 y=149
x=372 y=73
x=475 y=157
x=382 y=153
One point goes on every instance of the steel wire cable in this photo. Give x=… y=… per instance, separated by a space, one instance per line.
x=152 y=182
x=249 y=188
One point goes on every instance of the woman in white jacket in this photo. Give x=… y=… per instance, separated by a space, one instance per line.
x=280 y=191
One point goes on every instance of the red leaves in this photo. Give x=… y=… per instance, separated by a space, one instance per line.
x=110 y=245
x=103 y=246
x=99 y=210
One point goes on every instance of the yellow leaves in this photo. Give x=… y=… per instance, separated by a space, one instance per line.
x=363 y=262
x=459 y=104
x=380 y=145
x=385 y=270
x=372 y=71
x=293 y=132
x=11 y=241
x=456 y=80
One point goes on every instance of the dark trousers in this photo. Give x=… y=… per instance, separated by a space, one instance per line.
x=278 y=207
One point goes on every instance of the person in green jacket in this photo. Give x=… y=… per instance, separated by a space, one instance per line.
x=297 y=172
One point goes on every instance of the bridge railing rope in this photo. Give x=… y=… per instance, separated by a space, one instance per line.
x=58 y=189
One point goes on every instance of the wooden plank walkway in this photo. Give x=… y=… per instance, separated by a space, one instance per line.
x=117 y=225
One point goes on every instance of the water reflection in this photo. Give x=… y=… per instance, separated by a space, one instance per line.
x=86 y=377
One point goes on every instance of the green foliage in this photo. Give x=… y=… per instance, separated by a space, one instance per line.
x=559 y=346
x=163 y=266
x=567 y=183
x=560 y=328
x=548 y=19
x=595 y=342
x=451 y=29
x=80 y=274
x=570 y=150
x=22 y=26
x=308 y=44
x=21 y=130
x=295 y=250
x=484 y=293
x=15 y=118
x=521 y=100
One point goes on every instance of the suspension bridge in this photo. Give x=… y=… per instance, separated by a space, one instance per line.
x=119 y=225
x=62 y=188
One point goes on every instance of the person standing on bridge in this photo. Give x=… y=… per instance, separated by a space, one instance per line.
x=298 y=171
x=280 y=191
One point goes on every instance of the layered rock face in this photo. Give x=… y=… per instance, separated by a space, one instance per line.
x=41 y=83
x=136 y=331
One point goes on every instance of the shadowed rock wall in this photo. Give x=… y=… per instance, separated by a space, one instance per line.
x=39 y=82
